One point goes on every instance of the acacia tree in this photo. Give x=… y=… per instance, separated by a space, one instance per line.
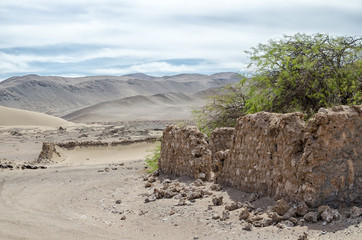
x=222 y=109
x=304 y=73
x=295 y=73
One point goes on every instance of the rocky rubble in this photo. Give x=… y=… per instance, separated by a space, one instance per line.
x=221 y=208
x=12 y=166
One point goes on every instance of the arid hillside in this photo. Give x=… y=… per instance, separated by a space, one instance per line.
x=59 y=96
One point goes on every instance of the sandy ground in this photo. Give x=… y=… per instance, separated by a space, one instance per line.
x=100 y=193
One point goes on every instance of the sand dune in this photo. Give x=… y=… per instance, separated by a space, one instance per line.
x=58 y=96
x=18 y=117
x=168 y=106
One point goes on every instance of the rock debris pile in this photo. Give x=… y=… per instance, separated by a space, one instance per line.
x=282 y=214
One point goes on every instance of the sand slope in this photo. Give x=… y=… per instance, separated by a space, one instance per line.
x=59 y=96
x=18 y=117
x=167 y=106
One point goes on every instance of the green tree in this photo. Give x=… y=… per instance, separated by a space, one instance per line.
x=295 y=73
x=222 y=109
x=304 y=73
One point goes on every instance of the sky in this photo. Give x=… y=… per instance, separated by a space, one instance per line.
x=156 y=37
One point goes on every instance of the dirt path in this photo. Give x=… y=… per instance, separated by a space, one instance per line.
x=80 y=202
x=99 y=193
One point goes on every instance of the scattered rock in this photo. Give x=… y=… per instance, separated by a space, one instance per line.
x=248 y=227
x=233 y=206
x=276 y=218
x=181 y=202
x=142 y=212
x=106 y=169
x=151 y=198
x=311 y=217
x=355 y=212
x=159 y=193
x=259 y=210
x=217 y=201
x=244 y=214
x=301 y=222
x=166 y=181
x=225 y=215
x=215 y=216
x=255 y=218
x=302 y=209
x=172 y=212
x=249 y=206
x=288 y=223
x=329 y=215
x=304 y=236
x=257 y=224
x=29 y=167
x=151 y=179
x=118 y=201
x=169 y=194
x=290 y=213
x=123 y=217
x=216 y=187
x=148 y=185
x=321 y=209
x=6 y=166
x=202 y=176
x=199 y=183
x=16 y=133
x=294 y=221
x=281 y=207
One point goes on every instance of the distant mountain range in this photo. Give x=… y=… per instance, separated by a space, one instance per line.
x=75 y=98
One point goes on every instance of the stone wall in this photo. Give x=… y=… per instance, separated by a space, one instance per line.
x=185 y=152
x=331 y=164
x=277 y=155
x=220 y=142
x=265 y=154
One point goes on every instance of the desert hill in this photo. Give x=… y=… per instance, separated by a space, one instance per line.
x=18 y=117
x=59 y=96
x=163 y=106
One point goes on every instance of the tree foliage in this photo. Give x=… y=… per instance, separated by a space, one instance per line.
x=222 y=109
x=295 y=73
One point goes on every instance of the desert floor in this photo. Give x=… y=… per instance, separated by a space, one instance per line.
x=100 y=193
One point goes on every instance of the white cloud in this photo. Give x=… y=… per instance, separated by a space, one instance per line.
x=149 y=31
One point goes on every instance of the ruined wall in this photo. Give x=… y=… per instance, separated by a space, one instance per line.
x=330 y=168
x=277 y=155
x=265 y=154
x=49 y=148
x=185 y=152
x=220 y=142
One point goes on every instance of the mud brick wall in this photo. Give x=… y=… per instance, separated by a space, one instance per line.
x=330 y=168
x=277 y=155
x=185 y=152
x=265 y=154
x=220 y=142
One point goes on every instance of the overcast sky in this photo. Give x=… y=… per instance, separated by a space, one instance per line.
x=156 y=37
